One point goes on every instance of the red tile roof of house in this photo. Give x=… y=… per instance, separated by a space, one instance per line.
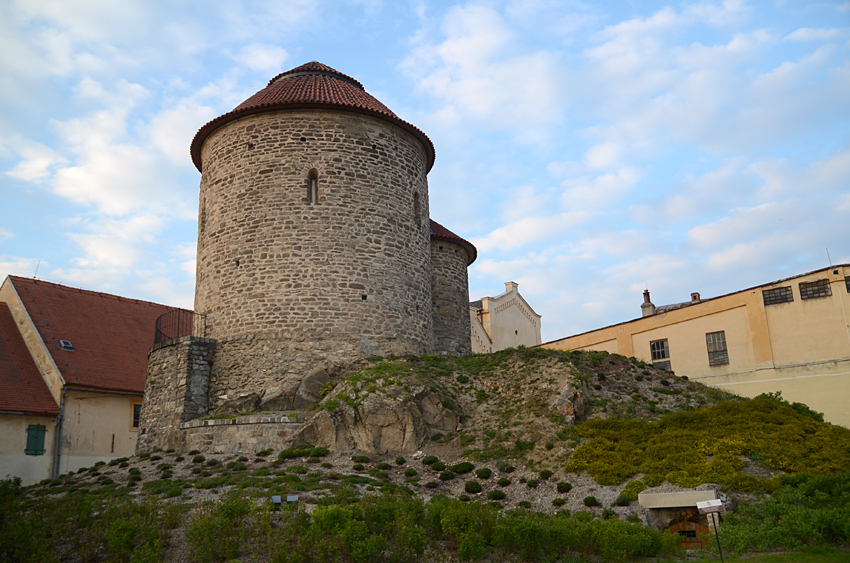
x=441 y=233
x=111 y=335
x=23 y=389
x=312 y=85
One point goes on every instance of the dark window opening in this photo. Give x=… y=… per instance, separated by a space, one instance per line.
x=814 y=290
x=660 y=353
x=35 y=439
x=777 y=296
x=137 y=415
x=363 y=297
x=313 y=187
x=66 y=345
x=716 y=344
x=688 y=533
x=847 y=283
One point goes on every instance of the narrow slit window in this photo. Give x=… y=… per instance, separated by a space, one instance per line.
x=313 y=187
x=137 y=415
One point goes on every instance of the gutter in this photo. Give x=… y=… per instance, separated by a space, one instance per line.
x=57 y=448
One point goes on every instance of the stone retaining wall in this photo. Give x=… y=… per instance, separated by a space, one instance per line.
x=244 y=435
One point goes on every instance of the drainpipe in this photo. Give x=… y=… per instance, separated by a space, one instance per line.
x=57 y=450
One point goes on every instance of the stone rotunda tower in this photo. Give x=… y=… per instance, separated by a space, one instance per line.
x=315 y=249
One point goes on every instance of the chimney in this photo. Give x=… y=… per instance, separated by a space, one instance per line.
x=695 y=297
x=510 y=286
x=647 y=309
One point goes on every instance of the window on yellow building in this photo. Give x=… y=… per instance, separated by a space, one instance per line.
x=814 y=290
x=660 y=353
x=717 y=353
x=137 y=415
x=777 y=296
x=847 y=283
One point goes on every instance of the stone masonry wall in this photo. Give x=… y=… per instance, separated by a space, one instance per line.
x=241 y=435
x=176 y=390
x=450 y=299
x=288 y=286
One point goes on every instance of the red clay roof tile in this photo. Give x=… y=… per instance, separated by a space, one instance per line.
x=312 y=85
x=441 y=233
x=111 y=335
x=23 y=389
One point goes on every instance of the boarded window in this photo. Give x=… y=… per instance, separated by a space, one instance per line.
x=814 y=290
x=716 y=344
x=778 y=295
x=35 y=439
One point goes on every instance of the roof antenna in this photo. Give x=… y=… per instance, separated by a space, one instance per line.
x=828 y=258
x=36 y=269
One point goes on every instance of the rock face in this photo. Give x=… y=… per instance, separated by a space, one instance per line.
x=571 y=402
x=381 y=423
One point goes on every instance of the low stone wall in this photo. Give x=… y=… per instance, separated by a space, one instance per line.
x=241 y=435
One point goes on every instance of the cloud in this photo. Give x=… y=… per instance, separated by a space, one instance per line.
x=267 y=59
x=6 y=234
x=524 y=231
x=815 y=34
x=480 y=72
x=19 y=266
x=595 y=193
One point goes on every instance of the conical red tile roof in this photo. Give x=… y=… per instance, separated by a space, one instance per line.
x=439 y=232
x=312 y=85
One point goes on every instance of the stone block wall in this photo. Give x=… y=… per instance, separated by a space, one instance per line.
x=450 y=299
x=241 y=435
x=288 y=286
x=176 y=390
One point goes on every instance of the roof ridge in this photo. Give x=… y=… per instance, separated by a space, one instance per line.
x=90 y=292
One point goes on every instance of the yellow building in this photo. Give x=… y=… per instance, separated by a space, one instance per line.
x=791 y=335
x=73 y=365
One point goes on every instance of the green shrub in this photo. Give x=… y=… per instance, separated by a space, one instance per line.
x=430 y=459
x=504 y=481
x=590 y=501
x=472 y=487
x=545 y=474
x=462 y=467
x=549 y=445
x=400 y=460
x=622 y=500
x=217 y=529
x=524 y=504
x=483 y=473
x=264 y=453
x=563 y=487
x=358 y=467
x=608 y=513
x=653 y=479
x=496 y=495
x=462 y=379
x=463 y=498
x=438 y=466
x=384 y=466
x=410 y=472
x=632 y=489
x=532 y=483
x=559 y=502
x=504 y=467
x=446 y=476
x=198 y=459
x=361 y=459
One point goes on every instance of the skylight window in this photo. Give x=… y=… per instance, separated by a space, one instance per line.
x=66 y=345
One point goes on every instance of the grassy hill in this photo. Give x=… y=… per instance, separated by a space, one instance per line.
x=515 y=479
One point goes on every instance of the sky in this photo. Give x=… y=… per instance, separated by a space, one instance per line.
x=588 y=150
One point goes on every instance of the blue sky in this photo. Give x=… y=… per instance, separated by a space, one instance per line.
x=589 y=150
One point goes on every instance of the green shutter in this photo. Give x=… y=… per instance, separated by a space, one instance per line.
x=35 y=439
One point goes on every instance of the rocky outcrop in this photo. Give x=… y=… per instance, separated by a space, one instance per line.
x=571 y=402
x=392 y=422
